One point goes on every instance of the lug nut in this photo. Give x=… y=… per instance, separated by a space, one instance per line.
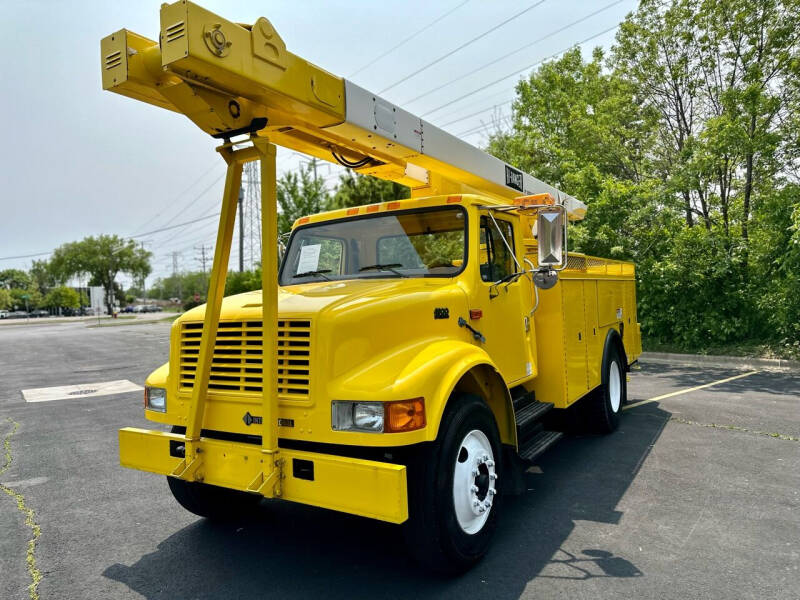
x=493 y=476
x=476 y=503
x=489 y=463
x=474 y=489
x=492 y=491
x=474 y=472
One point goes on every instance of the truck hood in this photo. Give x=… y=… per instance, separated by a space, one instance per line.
x=324 y=297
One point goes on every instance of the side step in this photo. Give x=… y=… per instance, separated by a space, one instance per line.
x=538 y=444
x=532 y=437
x=530 y=414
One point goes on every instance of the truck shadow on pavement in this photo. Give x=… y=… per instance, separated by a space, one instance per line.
x=293 y=551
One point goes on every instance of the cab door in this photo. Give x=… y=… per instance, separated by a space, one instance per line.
x=504 y=320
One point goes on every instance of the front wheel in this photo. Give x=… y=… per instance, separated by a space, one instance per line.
x=211 y=501
x=454 y=489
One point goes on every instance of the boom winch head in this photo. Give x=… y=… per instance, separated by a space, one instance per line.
x=232 y=79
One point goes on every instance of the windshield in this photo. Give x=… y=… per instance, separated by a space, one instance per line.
x=420 y=243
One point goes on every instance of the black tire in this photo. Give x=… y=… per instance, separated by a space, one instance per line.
x=211 y=501
x=605 y=404
x=433 y=533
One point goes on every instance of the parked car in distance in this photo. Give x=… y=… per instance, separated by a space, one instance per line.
x=128 y=309
x=40 y=313
x=17 y=314
x=3 y=314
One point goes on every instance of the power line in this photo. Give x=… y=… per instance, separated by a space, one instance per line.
x=538 y=62
x=406 y=40
x=26 y=255
x=520 y=49
x=475 y=114
x=208 y=209
x=146 y=233
x=481 y=100
x=462 y=46
x=209 y=229
x=174 y=226
x=471 y=130
x=195 y=199
x=179 y=196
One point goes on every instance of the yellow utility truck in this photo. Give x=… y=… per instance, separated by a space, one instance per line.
x=405 y=360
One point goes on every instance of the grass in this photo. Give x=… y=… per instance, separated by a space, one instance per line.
x=786 y=351
x=30 y=517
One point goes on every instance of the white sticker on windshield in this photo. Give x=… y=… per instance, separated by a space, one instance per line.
x=309 y=259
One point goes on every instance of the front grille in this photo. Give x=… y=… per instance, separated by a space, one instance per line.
x=237 y=361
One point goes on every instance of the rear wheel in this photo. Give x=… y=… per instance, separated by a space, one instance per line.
x=454 y=489
x=211 y=501
x=607 y=401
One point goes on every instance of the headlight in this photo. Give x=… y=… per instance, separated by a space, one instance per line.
x=155 y=399
x=378 y=417
x=357 y=416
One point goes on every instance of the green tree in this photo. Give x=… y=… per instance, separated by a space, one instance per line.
x=102 y=258
x=14 y=278
x=299 y=194
x=246 y=281
x=355 y=189
x=28 y=298
x=183 y=286
x=683 y=142
x=41 y=273
x=5 y=299
x=62 y=297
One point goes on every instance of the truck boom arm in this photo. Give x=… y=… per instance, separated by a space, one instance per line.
x=232 y=79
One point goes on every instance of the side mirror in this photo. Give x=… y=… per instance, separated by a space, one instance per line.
x=550 y=231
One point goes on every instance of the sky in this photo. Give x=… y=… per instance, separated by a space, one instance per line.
x=76 y=161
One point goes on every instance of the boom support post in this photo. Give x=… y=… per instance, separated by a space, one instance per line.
x=268 y=481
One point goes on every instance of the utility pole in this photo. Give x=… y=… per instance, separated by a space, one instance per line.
x=202 y=250
x=177 y=279
x=252 y=212
x=144 y=278
x=241 y=229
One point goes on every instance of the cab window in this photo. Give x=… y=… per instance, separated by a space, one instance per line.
x=496 y=260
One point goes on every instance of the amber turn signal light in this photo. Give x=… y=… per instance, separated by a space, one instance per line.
x=404 y=415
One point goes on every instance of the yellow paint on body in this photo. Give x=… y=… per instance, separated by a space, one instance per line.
x=367 y=340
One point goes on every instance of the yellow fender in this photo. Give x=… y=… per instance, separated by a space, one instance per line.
x=432 y=368
x=158 y=378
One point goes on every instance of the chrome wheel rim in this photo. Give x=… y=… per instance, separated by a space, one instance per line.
x=614 y=386
x=474 y=481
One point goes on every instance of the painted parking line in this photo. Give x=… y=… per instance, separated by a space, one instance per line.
x=83 y=390
x=686 y=391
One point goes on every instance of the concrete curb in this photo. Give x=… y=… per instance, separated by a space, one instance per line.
x=740 y=362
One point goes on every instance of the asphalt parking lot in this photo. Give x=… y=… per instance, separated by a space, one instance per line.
x=697 y=495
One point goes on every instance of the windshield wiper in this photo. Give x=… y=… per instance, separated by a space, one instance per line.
x=321 y=273
x=386 y=267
